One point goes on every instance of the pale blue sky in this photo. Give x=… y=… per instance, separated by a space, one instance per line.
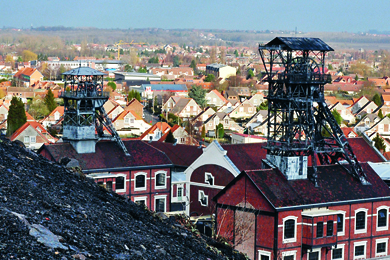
x=306 y=15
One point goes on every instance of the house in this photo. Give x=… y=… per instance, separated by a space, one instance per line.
x=244 y=110
x=170 y=103
x=186 y=107
x=242 y=92
x=368 y=108
x=257 y=119
x=136 y=106
x=238 y=138
x=198 y=120
x=386 y=99
x=345 y=112
x=151 y=90
x=130 y=123
x=267 y=216
x=172 y=73
x=381 y=127
x=349 y=132
x=230 y=94
x=114 y=112
x=110 y=104
x=215 y=99
x=20 y=92
x=3 y=112
x=53 y=117
x=33 y=135
x=155 y=132
x=27 y=76
x=367 y=122
x=144 y=176
x=221 y=71
x=221 y=118
x=257 y=99
x=181 y=136
x=358 y=104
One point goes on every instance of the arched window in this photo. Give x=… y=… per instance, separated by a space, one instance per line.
x=361 y=220
x=140 y=181
x=289 y=229
x=382 y=218
x=160 y=180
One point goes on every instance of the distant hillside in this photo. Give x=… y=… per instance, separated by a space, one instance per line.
x=50 y=212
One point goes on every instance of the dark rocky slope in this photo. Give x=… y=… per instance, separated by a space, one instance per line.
x=50 y=212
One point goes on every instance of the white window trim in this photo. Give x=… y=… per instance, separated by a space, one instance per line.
x=288 y=253
x=262 y=252
x=387 y=218
x=365 y=226
x=161 y=197
x=124 y=187
x=26 y=139
x=342 y=252
x=179 y=186
x=362 y=243
x=314 y=250
x=206 y=174
x=382 y=240
x=155 y=180
x=33 y=139
x=294 y=239
x=204 y=195
x=135 y=180
x=342 y=233
x=144 y=198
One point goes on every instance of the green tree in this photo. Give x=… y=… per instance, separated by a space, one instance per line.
x=263 y=106
x=198 y=94
x=128 y=68
x=193 y=65
x=379 y=143
x=112 y=85
x=220 y=132
x=49 y=101
x=203 y=135
x=153 y=60
x=337 y=116
x=236 y=53
x=380 y=114
x=176 y=61
x=330 y=67
x=133 y=94
x=250 y=73
x=16 y=116
x=377 y=99
x=170 y=138
x=142 y=70
x=356 y=77
x=156 y=107
x=209 y=78
x=37 y=108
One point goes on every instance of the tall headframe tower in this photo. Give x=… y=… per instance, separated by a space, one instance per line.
x=84 y=117
x=300 y=125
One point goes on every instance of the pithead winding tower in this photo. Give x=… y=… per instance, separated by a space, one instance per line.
x=300 y=125
x=85 y=119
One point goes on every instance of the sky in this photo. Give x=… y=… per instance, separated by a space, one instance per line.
x=305 y=15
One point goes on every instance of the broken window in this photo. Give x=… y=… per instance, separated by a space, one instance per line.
x=120 y=183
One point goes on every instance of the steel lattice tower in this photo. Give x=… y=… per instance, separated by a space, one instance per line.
x=300 y=124
x=85 y=119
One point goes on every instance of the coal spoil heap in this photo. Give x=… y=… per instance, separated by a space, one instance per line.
x=50 y=212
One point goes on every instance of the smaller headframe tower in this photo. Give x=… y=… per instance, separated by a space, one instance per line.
x=300 y=125
x=85 y=119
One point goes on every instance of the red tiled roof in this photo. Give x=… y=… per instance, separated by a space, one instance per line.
x=125 y=112
x=334 y=184
x=42 y=131
x=219 y=95
x=109 y=155
x=160 y=125
x=348 y=130
x=29 y=117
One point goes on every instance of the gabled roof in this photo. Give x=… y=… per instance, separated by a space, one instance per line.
x=219 y=95
x=298 y=43
x=110 y=155
x=134 y=101
x=335 y=184
x=122 y=115
x=39 y=129
x=179 y=154
x=162 y=126
x=180 y=105
x=29 y=117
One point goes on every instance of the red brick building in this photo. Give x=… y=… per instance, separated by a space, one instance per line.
x=269 y=217
x=144 y=176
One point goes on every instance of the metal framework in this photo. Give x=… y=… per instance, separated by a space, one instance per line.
x=299 y=122
x=84 y=116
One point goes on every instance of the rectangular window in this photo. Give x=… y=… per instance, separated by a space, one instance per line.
x=314 y=255
x=337 y=253
x=288 y=257
x=27 y=139
x=359 y=250
x=264 y=257
x=109 y=185
x=381 y=247
x=340 y=222
x=126 y=121
x=329 y=228
x=33 y=139
x=160 y=205
x=119 y=183
x=140 y=181
x=320 y=229
x=160 y=180
x=179 y=193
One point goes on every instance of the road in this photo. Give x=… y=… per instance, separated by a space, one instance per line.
x=150 y=118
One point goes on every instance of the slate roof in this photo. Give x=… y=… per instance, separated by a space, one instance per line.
x=299 y=43
x=110 y=155
x=81 y=71
x=180 y=105
x=335 y=184
x=179 y=154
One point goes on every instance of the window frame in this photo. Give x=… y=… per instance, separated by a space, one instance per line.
x=339 y=246
x=328 y=226
x=356 y=244
x=378 y=241
x=205 y=196
x=124 y=186
x=316 y=250
x=264 y=253
x=135 y=181
x=293 y=239
x=33 y=139
x=26 y=139
x=165 y=202
x=165 y=180
x=143 y=198
x=289 y=253
x=341 y=233
x=319 y=231
x=386 y=227
x=206 y=174
x=364 y=230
